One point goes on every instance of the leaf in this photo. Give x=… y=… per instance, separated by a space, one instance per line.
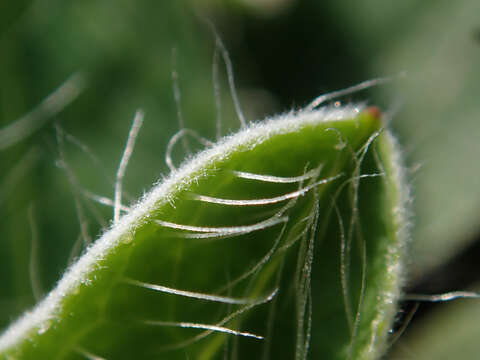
x=284 y=240
x=439 y=127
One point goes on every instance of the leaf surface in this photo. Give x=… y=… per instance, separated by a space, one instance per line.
x=284 y=240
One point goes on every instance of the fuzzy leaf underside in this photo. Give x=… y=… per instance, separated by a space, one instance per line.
x=307 y=266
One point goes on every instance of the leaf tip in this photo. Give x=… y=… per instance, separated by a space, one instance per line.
x=374 y=112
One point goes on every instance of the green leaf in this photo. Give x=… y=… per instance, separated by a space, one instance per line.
x=438 y=127
x=284 y=240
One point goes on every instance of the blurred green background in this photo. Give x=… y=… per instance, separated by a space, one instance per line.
x=284 y=53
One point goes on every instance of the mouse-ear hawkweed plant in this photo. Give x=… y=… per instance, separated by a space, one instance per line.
x=284 y=240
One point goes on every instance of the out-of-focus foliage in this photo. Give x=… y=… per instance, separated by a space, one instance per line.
x=282 y=58
x=125 y=53
x=451 y=333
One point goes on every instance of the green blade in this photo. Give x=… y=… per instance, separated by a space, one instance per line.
x=284 y=240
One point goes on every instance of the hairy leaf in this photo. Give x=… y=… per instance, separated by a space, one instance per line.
x=284 y=240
